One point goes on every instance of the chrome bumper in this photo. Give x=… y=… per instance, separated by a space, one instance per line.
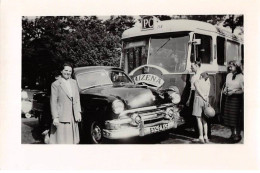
x=153 y=119
x=138 y=131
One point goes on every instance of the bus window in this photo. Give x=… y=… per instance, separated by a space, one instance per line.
x=221 y=51
x=232 y=51
x=169 y=52
x=203 y=51
x=135 y=55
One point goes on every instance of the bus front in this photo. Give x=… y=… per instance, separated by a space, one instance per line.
x=158 y=55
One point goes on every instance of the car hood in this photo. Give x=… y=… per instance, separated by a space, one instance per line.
x=134 y=97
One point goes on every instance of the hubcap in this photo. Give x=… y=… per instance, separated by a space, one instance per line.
x=96 y=133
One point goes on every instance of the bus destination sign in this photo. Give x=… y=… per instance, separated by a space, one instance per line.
x=147 y=22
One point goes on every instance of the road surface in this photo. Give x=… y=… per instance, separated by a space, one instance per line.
x=31 y=134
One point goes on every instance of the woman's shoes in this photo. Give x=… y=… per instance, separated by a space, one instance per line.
x=46 y=137
x=199 y=140
x=206 y=139
x=232 y=136
x=236 y=138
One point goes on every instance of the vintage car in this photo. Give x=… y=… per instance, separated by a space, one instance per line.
x=114 y=107
x=27 y=109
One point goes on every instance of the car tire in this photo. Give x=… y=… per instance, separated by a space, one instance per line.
x=91 y=132
x=28 y=115
x=96 y=132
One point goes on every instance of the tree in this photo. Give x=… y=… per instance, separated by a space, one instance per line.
x=83 y=40
x=234 y=21
x=117 y=25
x=163 y=17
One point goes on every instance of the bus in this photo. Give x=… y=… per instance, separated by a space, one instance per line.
x=160 y=53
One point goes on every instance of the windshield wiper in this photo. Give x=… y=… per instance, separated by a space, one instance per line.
x=164 y=44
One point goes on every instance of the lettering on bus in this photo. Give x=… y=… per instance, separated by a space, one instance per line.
x=147 y=22
x=149 y=79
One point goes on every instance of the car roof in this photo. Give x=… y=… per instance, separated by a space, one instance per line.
x=78 y=70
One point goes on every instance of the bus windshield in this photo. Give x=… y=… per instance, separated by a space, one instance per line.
x=169 y=53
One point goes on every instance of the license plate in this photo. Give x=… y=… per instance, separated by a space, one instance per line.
x=158 y=128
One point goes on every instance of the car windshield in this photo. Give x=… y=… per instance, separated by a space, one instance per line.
x=169 y=53
x=101 y=78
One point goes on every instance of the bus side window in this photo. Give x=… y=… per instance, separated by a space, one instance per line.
x=221 y=59
x=232 y=51
x=204 y=49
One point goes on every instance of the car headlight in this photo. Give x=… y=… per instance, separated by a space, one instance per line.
x=175 y=98
x=118 y=106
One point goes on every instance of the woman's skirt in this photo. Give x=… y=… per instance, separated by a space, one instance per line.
x=232 y=115
x=65 y=133
x=198 y=106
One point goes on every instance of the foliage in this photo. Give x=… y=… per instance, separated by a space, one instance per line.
x=49 y=41
x=234 y=21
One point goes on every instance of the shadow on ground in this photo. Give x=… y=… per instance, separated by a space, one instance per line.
x=219 y=134
x=31 y=132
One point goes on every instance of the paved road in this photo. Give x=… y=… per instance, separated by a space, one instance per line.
x=31 y=134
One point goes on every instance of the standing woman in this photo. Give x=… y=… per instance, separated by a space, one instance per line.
x=65 y=108
x=202 y=88
x=195 y=67
x=234 y=100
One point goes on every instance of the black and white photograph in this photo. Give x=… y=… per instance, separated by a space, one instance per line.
x=145 y=79
x=129 y=85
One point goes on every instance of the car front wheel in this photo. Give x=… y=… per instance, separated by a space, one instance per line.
x=96 y=132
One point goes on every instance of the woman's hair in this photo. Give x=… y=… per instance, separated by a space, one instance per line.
x=237 y=65
x=66 y=64
x=205 y=75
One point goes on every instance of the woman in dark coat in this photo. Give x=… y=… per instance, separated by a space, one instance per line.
x=234 y=100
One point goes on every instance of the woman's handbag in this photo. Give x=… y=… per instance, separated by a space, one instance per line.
x=209 y=111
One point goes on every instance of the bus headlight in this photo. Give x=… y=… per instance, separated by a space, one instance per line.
x=175 y=98
x=118 y=106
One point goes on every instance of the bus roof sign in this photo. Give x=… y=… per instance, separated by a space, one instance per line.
x=147 y=22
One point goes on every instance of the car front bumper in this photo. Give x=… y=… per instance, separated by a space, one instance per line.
x=141 y=130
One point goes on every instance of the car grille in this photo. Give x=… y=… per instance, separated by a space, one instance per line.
x=152 y=116
x=153 y=120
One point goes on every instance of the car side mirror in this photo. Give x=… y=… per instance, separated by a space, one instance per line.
x=196 y=42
